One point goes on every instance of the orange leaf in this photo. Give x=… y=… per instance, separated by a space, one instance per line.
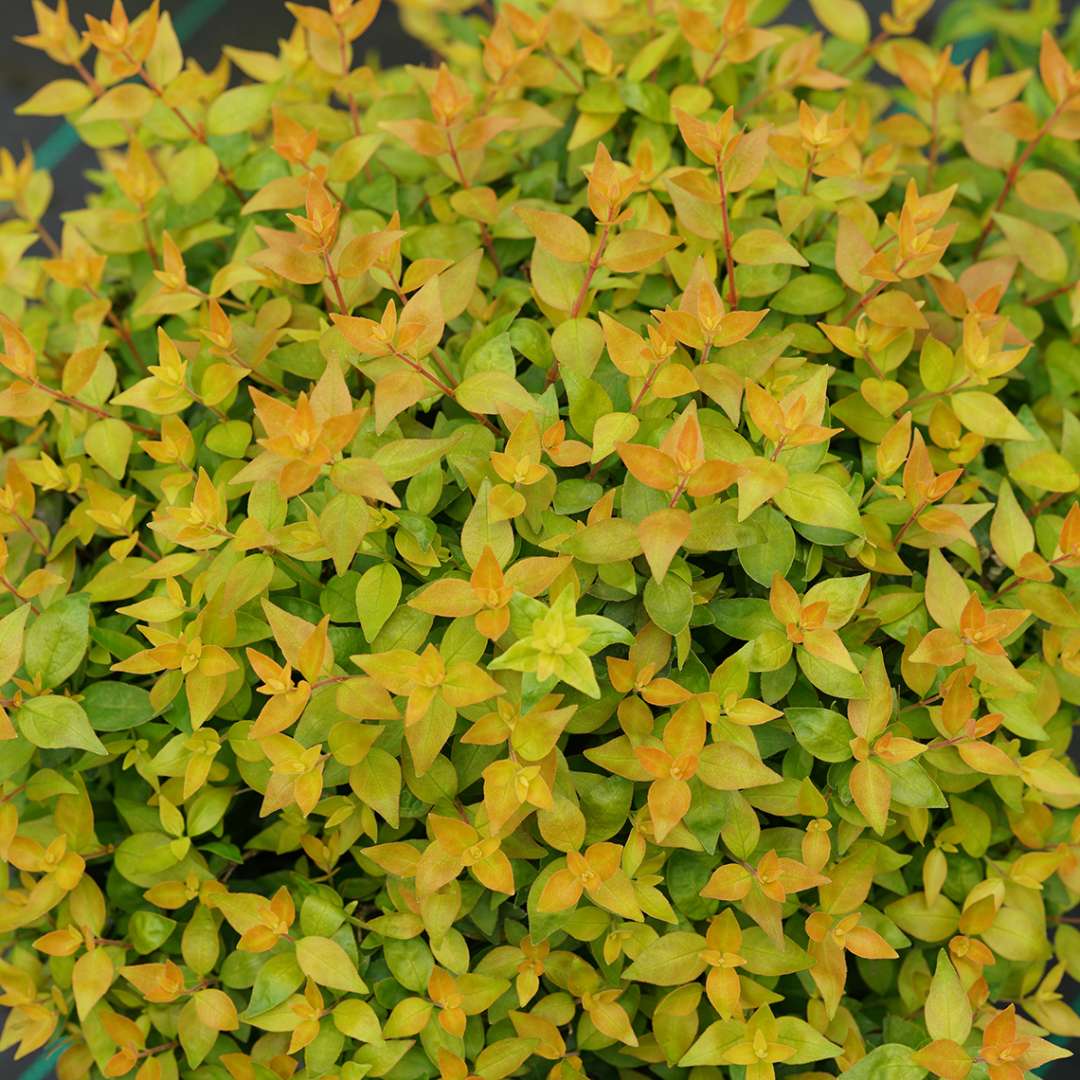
x=942 y=648
x=765 y=411
x=637 y=250
x=420 y=135
x=562 y=891
x=945 y=1058
x=558 y=234
x=826 y=645
x=396 y=392
x=669 y=800
x=627 y=349
x=868 y=944
x=662 y=534
x=871 y=789
x=449 y=597
x=984 y=757
x=651 y=466
x=784 y=601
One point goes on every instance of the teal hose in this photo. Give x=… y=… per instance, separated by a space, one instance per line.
x=42 y=1066
x=1048 y=1070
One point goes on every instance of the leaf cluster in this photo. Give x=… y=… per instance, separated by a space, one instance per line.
x=560 y=563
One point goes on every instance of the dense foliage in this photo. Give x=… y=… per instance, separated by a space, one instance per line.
x=563 y=563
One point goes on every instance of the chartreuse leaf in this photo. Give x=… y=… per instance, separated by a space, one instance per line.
x=892 y=1061
x=55 y=723
x=325 y=962
x=57 y=639
x=948 y=1010
x=239 y=109
x=377 y=594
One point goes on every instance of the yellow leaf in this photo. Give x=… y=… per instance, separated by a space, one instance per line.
x=1038 y=249
x=558 y=234
x=126 y=102
x=325 y=962
x=396 y=392
x=897 y=309
x=948 y=1010
x=987 y=415
x=609 y=430
x=216 y=1010
x=91 y=978
x=637 y=250
x=662 y=534
x=765 y=247
x=626 y=348
x=493 y=392
x=871 y=789
x=57 y=98
x=847 y=19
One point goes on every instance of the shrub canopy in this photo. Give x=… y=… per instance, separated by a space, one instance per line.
x=561 y=563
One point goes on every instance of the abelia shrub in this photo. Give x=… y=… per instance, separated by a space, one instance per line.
x=560 y=563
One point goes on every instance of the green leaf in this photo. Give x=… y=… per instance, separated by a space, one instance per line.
x=278 y=978
x=57 y=639
x=607 y=541
x=149 y=930
x=1039 y=250
x=948 y=1010
x=650 y=56
x=846 y=19
x=57 y=723
x=809 y=1043
x=893 y=1061
x=1018 y=935
x=711 y=1046
x=326 y=962
x=670 y=603
x=670 y=960
x=764 y=957
x=912 y=785
x=116 y=706
x=825 y=733
x=816 y=499
x=926 y=922
x=775 y=551
x=240 y=109
x=985 y=414
x=410 y=962
x=808 y=294
x=1011 y=532
x=108 y=444
x=343 y=524
x=481 y=530
x=191 y=172
x=765 y=247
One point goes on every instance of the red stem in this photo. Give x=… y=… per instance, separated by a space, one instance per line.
x=1036 y=301
x=332 y=275
x=1014 y=172
x=594 y=263
x=733 y=295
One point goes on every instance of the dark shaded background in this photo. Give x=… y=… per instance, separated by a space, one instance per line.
x=204 y=26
